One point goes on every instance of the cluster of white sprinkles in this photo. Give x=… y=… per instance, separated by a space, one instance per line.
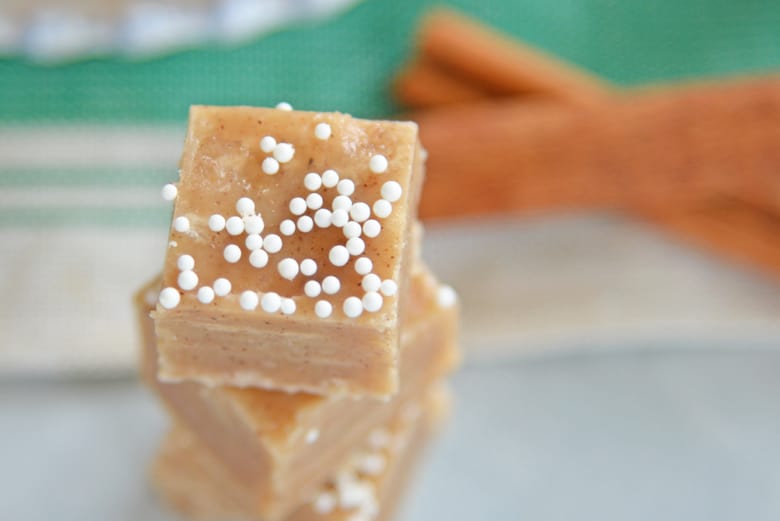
x=250 y=242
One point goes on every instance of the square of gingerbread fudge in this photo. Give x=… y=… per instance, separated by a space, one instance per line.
x=288 y=251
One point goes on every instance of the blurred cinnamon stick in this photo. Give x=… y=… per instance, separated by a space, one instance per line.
x=424 y=84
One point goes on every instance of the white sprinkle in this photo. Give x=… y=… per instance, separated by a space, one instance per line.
x=363 y=266
x=352 y=229
x=354 y=494
x=181 y=224
x=379 y=439
x=287 y=268
x=312 y=435
x=267 y=144
x=312 y=288
x=235 y=225
x=371 y=282
x=322 y=131
x=283 y=105
x=312 y=181
x=330 y=178
x=378 y=164
x=284 y=152
x=253 y=242
x=270 y=165
x=245 y=206
x=185 y=262
x=308 y=267
x=232 y=253
x=372 y=301
x=288 y=306
x=372 y=464
x=356 y=246
x=353 y=307
x=339 y=218
x=254 y=224
x=339 y=255
x=205 y=295
x=446 y=296
x=371 y=228
x=187 y=280
x=382 y=208
x=258 y=259
x=314 y=201
x=331 y=285
x=305 y=223
x=322 y=217
x=287 y=227
x=341 y=202
x=392 y=191
x=346 y=187
x=169 y=192
x=388 y=288
x=248 y=300
x=297 y=205
x=323 y=309
x=360 y=212
x=325 y=503
x=169 y=298
x=216 y=223
x=271 y=302
x=222 y=287
x=272 y=243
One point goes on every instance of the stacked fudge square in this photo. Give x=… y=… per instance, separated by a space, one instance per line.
x=294 y=335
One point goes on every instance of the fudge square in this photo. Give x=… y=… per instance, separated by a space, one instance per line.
x=288 y=260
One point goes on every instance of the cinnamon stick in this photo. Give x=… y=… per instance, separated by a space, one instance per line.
x=424 y=84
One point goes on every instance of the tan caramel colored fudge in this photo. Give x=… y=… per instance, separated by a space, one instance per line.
x=288 y=251
x=284 y=444
x=368 y=486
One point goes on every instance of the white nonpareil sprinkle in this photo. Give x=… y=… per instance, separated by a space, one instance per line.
x=379 y=439
x=235 y=225
x=322 y=131
x=216 y=223
x=232 y=253
x=270 y=166
x=312 y=435
x=308 y=267
x=297 y=205
x=258 y=258
x=272 y=243
x=392 y=191
x=372 y=464
x=284 y=152
x=288 y=306
x=305 y=223
x=360 y=212
x=314 y=201
x=248 y=300
x=388 y=288
x=312 y=181
x=222 y=287
x=446 y=296
x=378 y=164
x=353 y=307
x=169 y=192
x=253 y=242
x=323 y=308
x=271 y=302
x=322 y=217
x=341 y=202
x=372 y=301
x=288 y=268
x=267 y=144
x=338 y=255
x=352 y=229
x=287 y=227
x=331 y=285
x=254 y=224
x=205 y=295
x=187 y=280
x=339 y=218
x=245 y=206
x=283 y=105
x=372 y=228
x=324 y=503
x=382 y=208
x=169 y=298
x=312 y=289
x=363 y=266
x=185 y=262
x=346 y=187
x=356 y=246
x=371 y=282
x=330 y=178
x=181 y=224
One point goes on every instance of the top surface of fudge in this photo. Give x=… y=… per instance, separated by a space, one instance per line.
x=296 y=214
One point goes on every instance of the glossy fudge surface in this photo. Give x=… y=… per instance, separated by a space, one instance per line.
x=274 y=196
x=286 y=444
